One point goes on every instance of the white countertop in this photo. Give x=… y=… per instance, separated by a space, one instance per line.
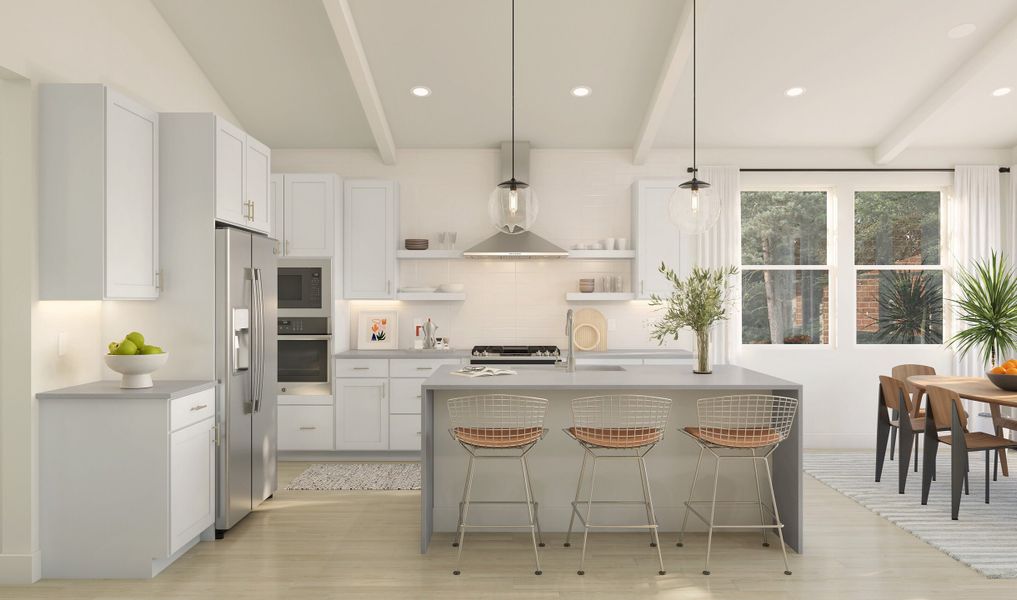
x=162 y=390
x=636 y=377
x=619 y=353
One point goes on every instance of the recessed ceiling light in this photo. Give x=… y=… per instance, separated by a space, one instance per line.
x=1001 y=91
x=420 y=91
x=794 y=92
x=581 y=91
x=961 y=31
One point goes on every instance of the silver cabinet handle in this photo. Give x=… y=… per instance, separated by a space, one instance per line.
x=361 y=368
x=388 y=286
x=287 y=247
x=642 y=287
x=424 y=368
x=418 y=396
x=418 y=433
x=199 y=407
x=307 y=427
x=382 y=391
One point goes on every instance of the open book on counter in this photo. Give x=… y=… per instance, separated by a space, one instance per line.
x=482 y=371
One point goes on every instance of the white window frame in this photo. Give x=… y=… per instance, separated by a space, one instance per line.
x=830 y=267
x=944 y=193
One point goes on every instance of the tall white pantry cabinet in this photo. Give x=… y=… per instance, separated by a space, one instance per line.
x=99 y=195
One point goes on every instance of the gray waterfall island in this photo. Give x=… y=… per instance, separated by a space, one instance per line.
x=555 y=460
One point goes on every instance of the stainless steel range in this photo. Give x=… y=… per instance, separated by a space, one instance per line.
x=519 y=355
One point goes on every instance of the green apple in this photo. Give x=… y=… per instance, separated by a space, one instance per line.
x=137 y=338
x=127 y=348
x=113 y=347
x=151 y=350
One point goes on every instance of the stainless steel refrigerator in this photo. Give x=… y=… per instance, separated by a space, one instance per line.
x=246 y=364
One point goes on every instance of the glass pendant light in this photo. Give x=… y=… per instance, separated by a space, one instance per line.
x=692 y=206
x=513 y=204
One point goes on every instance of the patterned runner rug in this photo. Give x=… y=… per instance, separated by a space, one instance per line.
x=358 y=476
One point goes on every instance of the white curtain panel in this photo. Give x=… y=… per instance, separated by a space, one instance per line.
x=973 y=223
x=720 y=247
x=1008 y=218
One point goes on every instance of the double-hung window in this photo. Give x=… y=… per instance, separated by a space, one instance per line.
x=898 y=267
x=785 y=267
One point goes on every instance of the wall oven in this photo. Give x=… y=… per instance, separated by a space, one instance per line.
x=304 y=285
x=305 y=356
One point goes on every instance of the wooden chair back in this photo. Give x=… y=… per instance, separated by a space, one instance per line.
x=941 y=404
x=895 y=391
x=902 y=372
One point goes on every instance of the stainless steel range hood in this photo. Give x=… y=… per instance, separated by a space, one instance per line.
x=515 y=245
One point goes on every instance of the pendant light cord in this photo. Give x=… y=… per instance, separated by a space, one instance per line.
x=513 y=90
x=694 y=169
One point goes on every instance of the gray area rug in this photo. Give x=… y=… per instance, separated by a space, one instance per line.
x=358 y=476
x=984 y=537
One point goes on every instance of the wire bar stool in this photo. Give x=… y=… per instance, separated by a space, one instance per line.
x=619 y=426
x=497 y=426
x=747 y=427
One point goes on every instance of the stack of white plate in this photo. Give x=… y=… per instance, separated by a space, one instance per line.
x=416 y=244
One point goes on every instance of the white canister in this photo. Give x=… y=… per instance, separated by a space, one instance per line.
x=622 y=244
x=608 y=243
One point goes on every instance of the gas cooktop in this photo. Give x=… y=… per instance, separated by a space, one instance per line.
x=515 y=354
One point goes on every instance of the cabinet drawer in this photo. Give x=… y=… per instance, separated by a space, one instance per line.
x=361 y=367
x=404 y=432
x=419 y=367
x=192 y=408
x=305 y=427
x=405 y=396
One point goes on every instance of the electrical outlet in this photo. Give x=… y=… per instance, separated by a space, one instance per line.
x=62 y=343
x=612 y=324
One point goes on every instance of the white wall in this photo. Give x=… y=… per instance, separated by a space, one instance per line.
x=126 y=44
x=585 y=196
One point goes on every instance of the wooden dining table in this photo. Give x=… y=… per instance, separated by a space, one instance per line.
x=978 y=389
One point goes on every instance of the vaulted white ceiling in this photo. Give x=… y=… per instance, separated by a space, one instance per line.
x=867 y=66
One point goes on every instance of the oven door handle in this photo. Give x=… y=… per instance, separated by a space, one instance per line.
x=304 y=338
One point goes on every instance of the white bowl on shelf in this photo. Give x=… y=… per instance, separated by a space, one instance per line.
x=136 y=369
x=452 y=288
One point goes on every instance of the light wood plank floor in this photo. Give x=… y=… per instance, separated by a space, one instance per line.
x=351 y=545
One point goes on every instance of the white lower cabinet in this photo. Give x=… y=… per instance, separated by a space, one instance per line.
x=306 y=427
x=404 y=432
x=406 y=396
x=126 y=478
x=361 y=414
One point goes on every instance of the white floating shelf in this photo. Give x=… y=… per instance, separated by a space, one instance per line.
x=431 y=296
x=429 y=254
x=602 y=254
x=598 y=297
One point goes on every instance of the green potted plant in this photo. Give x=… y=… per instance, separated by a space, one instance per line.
x=988 y=308
x=696 y=303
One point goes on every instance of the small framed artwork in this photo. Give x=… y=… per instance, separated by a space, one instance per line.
x=378 y=330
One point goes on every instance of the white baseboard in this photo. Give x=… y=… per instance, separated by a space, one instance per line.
x=20 y=569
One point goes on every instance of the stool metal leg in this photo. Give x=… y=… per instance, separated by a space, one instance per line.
x=646 y=504
x=459 y=524
x=466 y=511
x=692 y=493
x=536 y=506
x=653 y=517
x=713 y=511
x=579 y=486
x=530 y=510
x=780 y=524
x=589 y=509
x=759 y=497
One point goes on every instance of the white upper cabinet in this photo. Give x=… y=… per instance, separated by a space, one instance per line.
x=306 y=205
x=99 y=195
x=203 y=149
x=656 y=238
x=256 y=181
x=370 y=222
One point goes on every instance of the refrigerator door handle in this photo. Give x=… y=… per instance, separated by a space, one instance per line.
x=255 y=350
x=258 y=381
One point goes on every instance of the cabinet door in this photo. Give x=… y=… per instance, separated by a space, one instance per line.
x=309 y=215
x=192 y=482
x=230 y=143
x=404 y=432
x=361 y=414
x=132 y=199
x=405 y=396
x=656 y=238
x=370 y=218
x=257 y=171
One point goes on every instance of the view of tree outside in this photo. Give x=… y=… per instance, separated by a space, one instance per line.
x=782 y=304
x=895 y=305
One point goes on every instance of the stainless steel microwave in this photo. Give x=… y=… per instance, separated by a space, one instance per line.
x=304 y=285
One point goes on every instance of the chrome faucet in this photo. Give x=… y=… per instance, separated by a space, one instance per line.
x=570 y=360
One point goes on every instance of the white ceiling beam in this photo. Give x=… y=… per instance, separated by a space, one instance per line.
x=675 y=62
x=906 y=131
x=345 y=30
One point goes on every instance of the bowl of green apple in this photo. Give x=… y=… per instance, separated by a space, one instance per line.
x=135 y=360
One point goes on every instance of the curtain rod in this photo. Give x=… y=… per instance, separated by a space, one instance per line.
x=846 y=170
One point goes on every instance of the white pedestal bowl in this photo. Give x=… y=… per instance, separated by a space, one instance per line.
x=136 y=369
